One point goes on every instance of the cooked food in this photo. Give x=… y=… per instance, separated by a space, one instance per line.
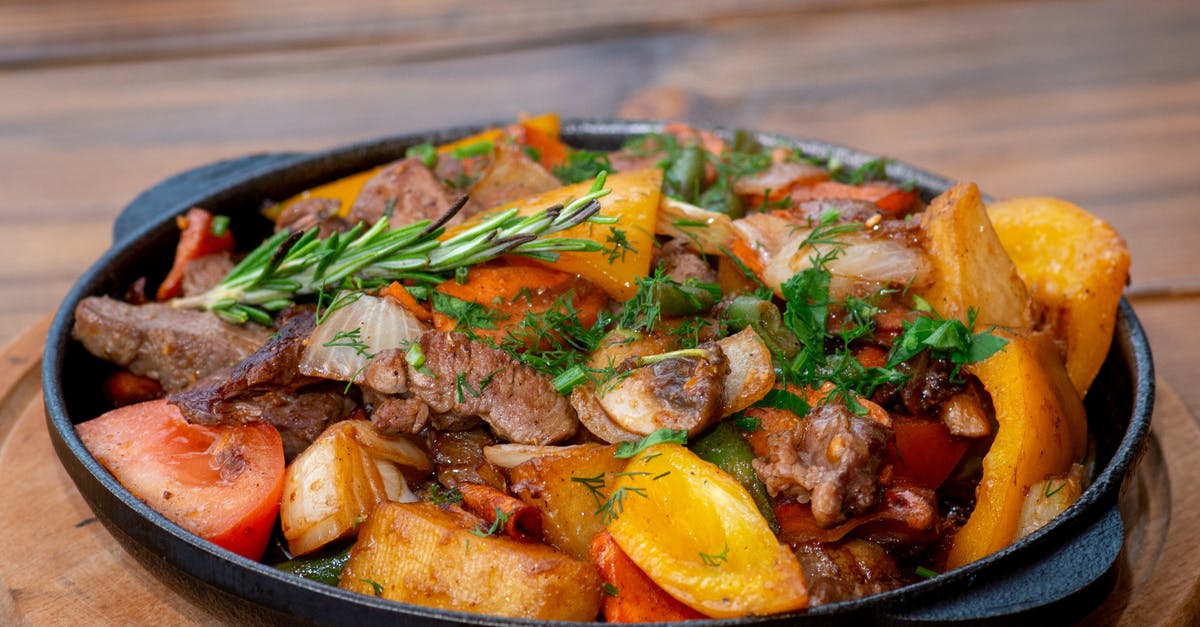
x=697 y=376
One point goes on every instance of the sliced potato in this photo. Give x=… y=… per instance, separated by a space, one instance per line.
x=1075 y=265
x=971 y=269
x=558 y=486
x=420 y=553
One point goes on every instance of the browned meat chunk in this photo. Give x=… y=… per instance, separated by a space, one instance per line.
x=510 y=176
x=465 y=378
x=458 y=458
x=322 y=213
x=387 y=373
x=177 y=347
x=680 y=261
x=831 y=459
x=847 y=570
x=267 y=386
x=204 y=273
x=398 y=416
x=408 y=188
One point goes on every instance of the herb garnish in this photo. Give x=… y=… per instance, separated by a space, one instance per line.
x=715 y=559
x=581 y=165
x=496 y=527
x=289 y=265
x=625 y=450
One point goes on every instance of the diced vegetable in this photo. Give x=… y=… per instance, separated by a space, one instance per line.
x=342 y=345
x=340 y=478
x=325 y=569
x=630 y=596
x=720 y=557
x=221 y=483
x=971 y=270
x=569 y=490
x=506 y=294
x=633 y=201
x=725 y=447
x=420 y=553
x=924 y=452
x=1049 y=498
x=1075 y=266
x=750 y=375
x=201 y=235
x=1043 y=430
x=509 y=515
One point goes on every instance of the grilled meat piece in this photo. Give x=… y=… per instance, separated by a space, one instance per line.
x=177 y=347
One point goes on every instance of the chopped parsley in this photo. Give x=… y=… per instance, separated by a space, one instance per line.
x=581 y=165
x=426 y=153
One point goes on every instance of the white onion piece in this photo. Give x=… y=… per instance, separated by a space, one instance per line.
x=864 y=260
x=709 y=230
x=339 y=479
x=512 y=455
x=381 y=323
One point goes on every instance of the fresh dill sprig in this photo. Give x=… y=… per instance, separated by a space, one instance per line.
x=290 y=265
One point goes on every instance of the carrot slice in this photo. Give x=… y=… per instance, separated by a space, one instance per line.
x=632 y=597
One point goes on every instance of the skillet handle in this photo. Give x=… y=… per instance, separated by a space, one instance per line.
x=182 y=190
x=1064 y=585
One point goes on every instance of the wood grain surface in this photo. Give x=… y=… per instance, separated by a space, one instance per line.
x=1095 y=101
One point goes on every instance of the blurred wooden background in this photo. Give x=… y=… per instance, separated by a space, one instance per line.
x=1095 y=101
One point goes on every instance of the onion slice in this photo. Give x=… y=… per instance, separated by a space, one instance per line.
x=342 y=345
x=340 y=478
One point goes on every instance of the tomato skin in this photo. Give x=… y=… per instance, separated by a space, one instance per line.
x=925 y=453
x=222 y=483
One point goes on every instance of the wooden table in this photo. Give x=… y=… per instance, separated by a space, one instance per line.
x=1094 y=101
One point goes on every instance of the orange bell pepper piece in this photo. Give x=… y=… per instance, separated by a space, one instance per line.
x=1042 y=431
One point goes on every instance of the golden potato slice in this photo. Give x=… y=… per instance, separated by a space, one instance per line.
x=1075 y=265
x=971 y=269
x=419 y=553
x=568 y=490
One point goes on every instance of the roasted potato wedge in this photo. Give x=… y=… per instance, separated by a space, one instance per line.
x=558 y=486
x=971 y=269
x=420 y=553
x=1075 y=266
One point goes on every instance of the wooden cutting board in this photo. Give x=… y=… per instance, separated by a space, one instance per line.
x=58 y=566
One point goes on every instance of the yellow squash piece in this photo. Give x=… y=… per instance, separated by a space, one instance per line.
x=696 y=532
x=1076 y=265
x=1042 y=431
x=971 y=270
x=633 y=201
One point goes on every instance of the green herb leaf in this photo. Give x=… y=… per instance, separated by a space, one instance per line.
x=581 y=165
x=783 y=399
x=625 y=450
x=426 y=152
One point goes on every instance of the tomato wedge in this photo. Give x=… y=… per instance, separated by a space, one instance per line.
x=222 y=483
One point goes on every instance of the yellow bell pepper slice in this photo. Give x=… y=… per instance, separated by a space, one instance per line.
x=1042 y=430
x=633 y=201
x=695 y=531
x=1075 y=265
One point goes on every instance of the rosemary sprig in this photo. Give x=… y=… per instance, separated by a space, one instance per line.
x=289 y=265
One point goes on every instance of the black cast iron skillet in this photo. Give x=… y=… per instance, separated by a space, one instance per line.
x=1061 y=571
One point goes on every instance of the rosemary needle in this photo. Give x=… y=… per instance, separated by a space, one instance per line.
x=288 y=265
